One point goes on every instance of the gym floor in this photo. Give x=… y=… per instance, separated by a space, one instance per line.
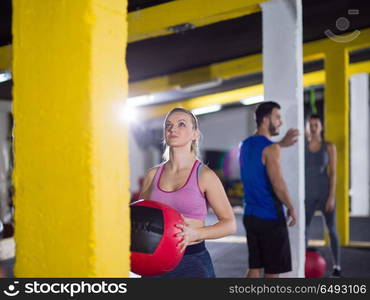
x=230 y=254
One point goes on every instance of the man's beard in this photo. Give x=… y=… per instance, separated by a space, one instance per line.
x=273 y=130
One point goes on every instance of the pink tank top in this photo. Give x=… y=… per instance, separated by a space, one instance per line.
x=187 y=200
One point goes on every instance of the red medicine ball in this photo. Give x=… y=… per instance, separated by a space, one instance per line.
x=153 y=238
x=315 y=264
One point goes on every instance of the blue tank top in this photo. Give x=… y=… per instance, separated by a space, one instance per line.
x=259 y=197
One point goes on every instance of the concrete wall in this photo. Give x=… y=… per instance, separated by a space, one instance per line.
x=142 y=158
x=140 y=161
x=225 y=129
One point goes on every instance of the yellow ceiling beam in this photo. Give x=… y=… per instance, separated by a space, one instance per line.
x=309 y=79
x=314 y=78
x=238 y=67
x=343 y=41
x=219 y=98
x=360 y=67
x=156 y=21
x=224 y=70
x=6 y=57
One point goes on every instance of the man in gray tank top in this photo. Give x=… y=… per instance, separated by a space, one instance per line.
x=320 y=174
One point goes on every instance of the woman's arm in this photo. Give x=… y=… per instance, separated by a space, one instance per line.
x=220 y=204
x=218 y=200
x=332 y=172
x=147 y=183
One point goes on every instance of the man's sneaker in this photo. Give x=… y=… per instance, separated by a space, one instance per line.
x=336 y=273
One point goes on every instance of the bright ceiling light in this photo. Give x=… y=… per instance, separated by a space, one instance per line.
x=206 y=109
x=200 y=86
x=252 y=100
x=140 y=100
x=127 y=113
x=130 y=114
x=5 y=75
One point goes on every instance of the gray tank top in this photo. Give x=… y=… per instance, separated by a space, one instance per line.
x=316 y=164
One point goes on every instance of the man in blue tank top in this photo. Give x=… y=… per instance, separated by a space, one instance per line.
x=265 y=192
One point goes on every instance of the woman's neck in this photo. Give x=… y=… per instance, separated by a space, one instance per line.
x=180 y=159
x=315 y=139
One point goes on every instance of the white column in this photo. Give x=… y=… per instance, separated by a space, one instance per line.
x=282 y=78
x=360 y=145
x=5 y=108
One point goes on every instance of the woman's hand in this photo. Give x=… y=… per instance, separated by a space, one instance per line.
x=330 y=204
x=189 y=235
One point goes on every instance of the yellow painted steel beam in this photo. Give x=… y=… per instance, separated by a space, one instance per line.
x=6 y=57
x=309 y=79
x=236 y=95
x=316 y=243
x=360 y=42
x=71 y=159
x=156 y=21
x=337 y=130
x=240 y=66
x=219 y=98
x=312 y=78
x=320 y=47
x=359 y=244
x=359 y=67
x=226 y=70
x=351 y=244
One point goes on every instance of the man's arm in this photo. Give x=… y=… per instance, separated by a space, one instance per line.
x=271 y=158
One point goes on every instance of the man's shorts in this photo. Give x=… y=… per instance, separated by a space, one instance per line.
x=268 y=244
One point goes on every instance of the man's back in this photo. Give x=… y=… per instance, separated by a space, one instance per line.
x=260 y=199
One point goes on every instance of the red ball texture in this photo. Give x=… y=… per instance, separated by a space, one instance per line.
x=315 y=265
x=166 y=255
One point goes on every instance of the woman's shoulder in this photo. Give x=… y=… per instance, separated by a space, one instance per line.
x=149 y=177
x=152 y=171
x=329 y=145
x=207 y=174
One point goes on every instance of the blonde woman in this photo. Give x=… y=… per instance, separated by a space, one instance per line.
x=183 y=182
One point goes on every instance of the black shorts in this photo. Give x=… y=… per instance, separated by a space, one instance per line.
x=268 y=244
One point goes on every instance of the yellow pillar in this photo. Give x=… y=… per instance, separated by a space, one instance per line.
x=71 y=151
x=337 y=130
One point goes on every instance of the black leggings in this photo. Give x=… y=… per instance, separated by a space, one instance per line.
x=319 y=204
x=196 y=263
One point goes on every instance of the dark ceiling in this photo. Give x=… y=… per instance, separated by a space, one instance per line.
x=233 y=38
x=141 y=4
x=216 y=42
x=5 y=22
